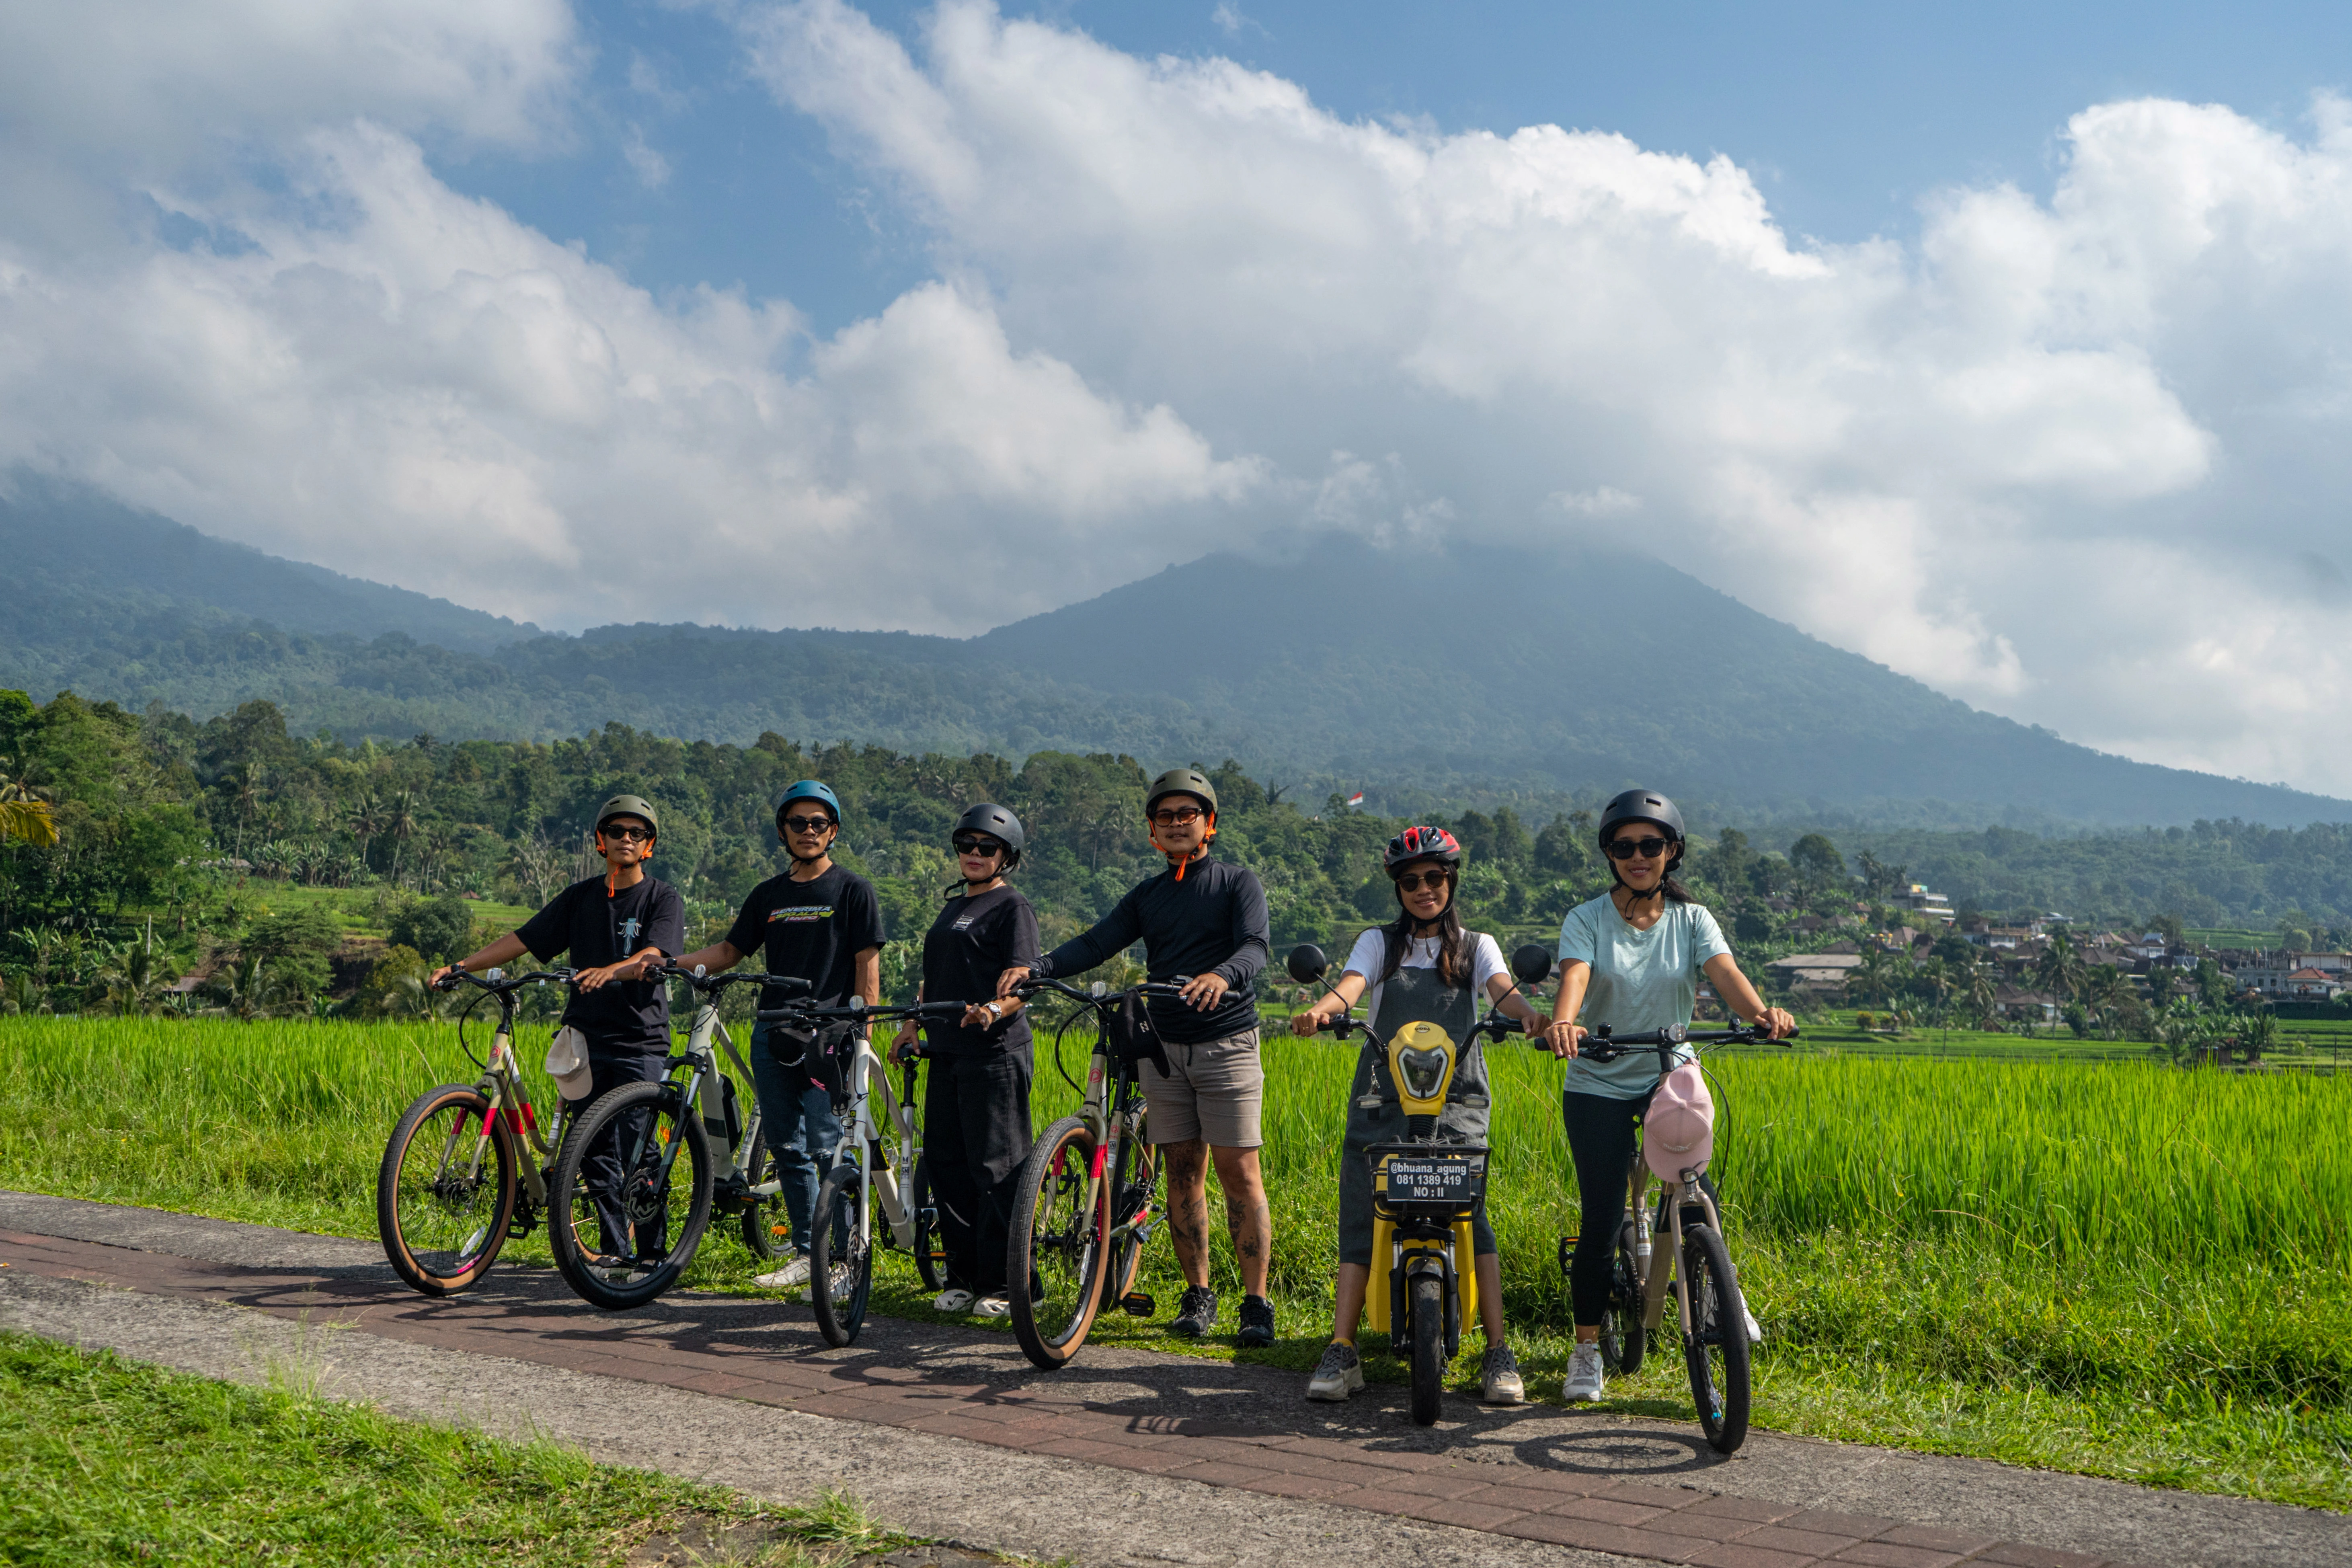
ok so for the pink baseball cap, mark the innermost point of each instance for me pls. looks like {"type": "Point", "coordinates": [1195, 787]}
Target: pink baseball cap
{"type": "Point", "coordinates": [1678, 1132]}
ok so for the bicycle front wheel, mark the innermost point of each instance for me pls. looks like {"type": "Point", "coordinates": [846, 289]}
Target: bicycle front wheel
{"type": "Point", "coordinates": [445, 1197]}
{"type": "Point", "coordinates": [1055, 1249]}
{"type": "Point", "coordinates": [1427, 1296]}
{"type": "Point", "coordinates": [1715, 1339]}
{"type": "Point", "coordinates": [1623, 1337]}
{"type": "Point", "coordinates": [841, 1256]}
{"type": "Point", "coordinates": [625, 1213]}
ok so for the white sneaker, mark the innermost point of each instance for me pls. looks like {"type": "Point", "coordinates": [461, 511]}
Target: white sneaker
{"type": "Point", "coordinates": [1340, 1373]}
{"type": "Point", "coordinates": [996, 1304]}
{"type": "Point", "coordinates": [784, 1279]}
{"type": "Point", "coordinates": [952, 1300]}
{"type": "Point", "coordinates": [1755, 1328]}
{"type": "Point", "coordinates": [1583, 1383]}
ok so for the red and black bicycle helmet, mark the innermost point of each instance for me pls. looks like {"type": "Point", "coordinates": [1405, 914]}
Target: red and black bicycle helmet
{"type": "Point", "coordinates": [1422, 844]}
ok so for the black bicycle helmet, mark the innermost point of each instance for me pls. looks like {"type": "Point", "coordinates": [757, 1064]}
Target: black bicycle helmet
{"type": "Point", "coordinates": [1422, 844]}
{"type": "Point", "coordinates": [1642, 806]}
{"type": "Point", "coordinates": [996, 822]}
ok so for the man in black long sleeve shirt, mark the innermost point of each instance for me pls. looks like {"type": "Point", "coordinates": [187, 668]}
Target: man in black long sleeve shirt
{"type": "Point", "coordinates": [1206, 921]}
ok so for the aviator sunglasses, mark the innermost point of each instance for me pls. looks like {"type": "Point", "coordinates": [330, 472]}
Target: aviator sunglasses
{"type": "Point", "coordinates": [1413, 882]}
{"type": "Point", "coordinates": [1648, 849]}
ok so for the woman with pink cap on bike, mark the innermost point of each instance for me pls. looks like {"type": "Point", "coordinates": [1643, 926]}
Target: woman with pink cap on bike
{"type": "Point", "coordinates": [1632, 959]}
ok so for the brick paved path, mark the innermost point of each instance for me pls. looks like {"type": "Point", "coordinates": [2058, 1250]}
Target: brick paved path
{"type": "Point", "coordinates": [1643, 1490]}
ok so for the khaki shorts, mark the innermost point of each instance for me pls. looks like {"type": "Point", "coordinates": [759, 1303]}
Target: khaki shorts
{"type": "Point", "coordinates": [1214, 1094]}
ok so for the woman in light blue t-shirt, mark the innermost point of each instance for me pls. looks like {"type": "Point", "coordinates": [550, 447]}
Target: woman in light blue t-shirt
{"type": "Point", "coordinates": [1631, 959]}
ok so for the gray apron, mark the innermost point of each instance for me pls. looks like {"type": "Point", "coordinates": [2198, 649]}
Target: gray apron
{"type": "Point", "coordinates": [1375, 1116]}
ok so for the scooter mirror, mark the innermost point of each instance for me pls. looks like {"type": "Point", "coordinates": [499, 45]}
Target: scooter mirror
{"type": "Point", "coordinates": [1531, 965]}
{"type": "Point", "coordinates": [1306, 963]}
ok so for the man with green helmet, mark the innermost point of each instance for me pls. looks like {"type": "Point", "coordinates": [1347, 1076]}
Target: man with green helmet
{"type": "Point", "coordinates": [611, 926]}
{"type": "Point", "coordinates": [820, 922]}
{"type": "Point", "coordinates": [1206, 921]}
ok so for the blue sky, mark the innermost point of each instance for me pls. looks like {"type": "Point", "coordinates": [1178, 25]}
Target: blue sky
{"type": "Point", "coordinates": [1847, 115]}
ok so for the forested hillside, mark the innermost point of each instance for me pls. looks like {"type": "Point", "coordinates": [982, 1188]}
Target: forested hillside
{"type": "Point", "coordinates": [1461, 676]}
{"type": "Point", "coordinates": [200, 828]}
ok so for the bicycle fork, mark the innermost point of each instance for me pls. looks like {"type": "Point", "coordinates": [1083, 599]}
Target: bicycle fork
{"type": "Point", "coordinates": [1657, 1264]}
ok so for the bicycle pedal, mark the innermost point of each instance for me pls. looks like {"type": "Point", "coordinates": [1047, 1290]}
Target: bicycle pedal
{"type": "Point", "coordinates": [1137, 1304]}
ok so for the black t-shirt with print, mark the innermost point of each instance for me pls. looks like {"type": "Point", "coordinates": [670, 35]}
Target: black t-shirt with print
{"type": "Point", "coordinates": [812, 931]}
{"type": "Point", "coordinates": [972, 942]}
{"type": "Point", "coordinates": [625, 1017]}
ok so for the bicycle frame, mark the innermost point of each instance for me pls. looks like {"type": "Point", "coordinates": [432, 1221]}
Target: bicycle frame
{"type": "Point", "coordinates": [501, 1084]}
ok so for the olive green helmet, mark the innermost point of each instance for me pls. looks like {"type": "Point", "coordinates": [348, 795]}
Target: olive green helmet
{"type": "Point", "coordinates": [1180, 781]}
{"type": "Point", "coordinates": [628, 806]}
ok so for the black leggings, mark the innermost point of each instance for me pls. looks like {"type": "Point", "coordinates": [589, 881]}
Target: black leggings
{"type": "Point", "coordinates": [1601, 1133]}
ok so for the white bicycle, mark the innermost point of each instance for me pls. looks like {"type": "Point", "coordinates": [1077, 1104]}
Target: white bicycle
{"type": "Point", "coordinates": [864, 1169]}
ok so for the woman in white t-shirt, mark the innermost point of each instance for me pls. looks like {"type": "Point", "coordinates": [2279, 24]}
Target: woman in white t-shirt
{"type": "Point", "coordinates": [1631, 959]}
{"type": "Point", "coordinates": [1422, 966]}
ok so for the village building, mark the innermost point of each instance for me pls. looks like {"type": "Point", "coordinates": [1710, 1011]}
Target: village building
{"type": "Point", "coordinates": [1919, 901]}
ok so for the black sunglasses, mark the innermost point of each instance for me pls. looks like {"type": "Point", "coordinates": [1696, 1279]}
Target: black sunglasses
{"type": "Point", "coordinates": [620, 834]}
{"type": "Point", "coordinates": [807, 824]}
{"type": "Point", "coordinates": [1413, 882]}
{"type": "Point", "coordinates": [1176, 816]}
{"type": "Point", "coordinates": [973, 844]}
{"type": "Point", "coordinates": [1647, 848]}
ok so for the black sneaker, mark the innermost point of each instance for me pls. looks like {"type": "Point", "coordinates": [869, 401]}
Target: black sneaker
{"type": "Point", "coordinates": [1258, 1323]}
{"type": "Point", "coordinates": [1197, 1313]}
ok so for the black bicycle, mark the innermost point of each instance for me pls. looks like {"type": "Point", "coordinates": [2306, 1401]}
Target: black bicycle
{"type": "Point", "coordinates": [1083, 1209]}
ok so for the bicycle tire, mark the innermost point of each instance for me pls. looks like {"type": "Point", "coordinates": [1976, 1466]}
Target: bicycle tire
{"type": "Point", "coordinates": [1426, 1297]}
{"type": "Point", "coordinates": [1715, 1340]}
{"type": "Point", "coordinates": [1136, 1178]}
{"type": "Point", "coordinates": [1624, 1340]}
{"type": "Point", "coordinates": [468, 1217]}
{"type": "Point", "coordinates": [646, 1192]}
{"type": "Point", "coordinates": [767, 1224]}
{"type": "Point", "coordinates": [1054, 1249]}
{"type": "Point", "coordinates": [931, 1253]}
{"type": "Point", "coordinates": [841, 1262]}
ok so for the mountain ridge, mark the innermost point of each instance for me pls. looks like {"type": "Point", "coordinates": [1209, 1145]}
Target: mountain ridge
{"type": "Point", "coordinates": [1475, 675]}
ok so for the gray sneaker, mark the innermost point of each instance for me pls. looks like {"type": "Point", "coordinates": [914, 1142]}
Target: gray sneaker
{"type": "Point", "coordinates": [1339, 1375]}
{"type": "Point", "coordinates": [1584, 1381]}
{"type": "Point", "coordinates": [1500, 1378]}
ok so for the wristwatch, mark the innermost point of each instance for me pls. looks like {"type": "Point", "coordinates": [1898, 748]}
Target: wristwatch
{"type": "Point", "coordinates": [995, 1013]}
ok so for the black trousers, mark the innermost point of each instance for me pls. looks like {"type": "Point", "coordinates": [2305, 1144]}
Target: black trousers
{"type": "Point", "coordinates": [601, 1166]}
{"type": "Point", "coordinates": [975, 1138]}
{"type": "Point", "coordinates": [1601, 1133]}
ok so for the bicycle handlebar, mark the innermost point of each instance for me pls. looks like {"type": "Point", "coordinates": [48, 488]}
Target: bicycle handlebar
{"type": "Point", "coordinates": [498, 982]}
{"type": "Point", "coordinates": [1602, 1046]}
{"type": "Point", "coordinates": [702, 980]}
{"type": "Point", "coordinates": [1172, 987]}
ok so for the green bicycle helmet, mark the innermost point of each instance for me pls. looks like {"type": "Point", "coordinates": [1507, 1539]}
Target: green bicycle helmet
{"type": "Point", "coordinates": [628, 806]}
{"type": "Point", "coordinates": [1180, 781]}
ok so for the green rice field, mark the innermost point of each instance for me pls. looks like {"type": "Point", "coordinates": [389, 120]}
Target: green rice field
{"type": "Point", "coordinates": [2115, 1268]}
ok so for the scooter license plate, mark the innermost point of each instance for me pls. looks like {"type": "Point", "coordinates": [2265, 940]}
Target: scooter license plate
{"type": "Point", "coordinates": [1440, 1179]}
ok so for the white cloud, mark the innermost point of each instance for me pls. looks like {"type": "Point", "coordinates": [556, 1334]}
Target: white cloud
{"type": "Point", "coordinates": [2078, 459]}
{"type": "Point", "coordinates": [650, 167]}
{"type": "Point", "coordinates": [1951, 456]}
{"type": "Point", "coordinates": [426, 392]}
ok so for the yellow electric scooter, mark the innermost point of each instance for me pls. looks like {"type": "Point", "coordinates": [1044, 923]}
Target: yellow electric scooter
{"type": "Point", "coordinates": [1424, 1188]}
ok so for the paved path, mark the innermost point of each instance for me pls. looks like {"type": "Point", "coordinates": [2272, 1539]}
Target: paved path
{"type": "Point", "coordinates": [1125, 1457]}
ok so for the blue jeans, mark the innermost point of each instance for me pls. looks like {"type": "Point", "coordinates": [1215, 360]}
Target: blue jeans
{"type": "Point", "coordinates": [796, 1119]}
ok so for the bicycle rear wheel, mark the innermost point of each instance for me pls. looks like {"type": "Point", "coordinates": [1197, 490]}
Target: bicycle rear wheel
{"type": "Point", "coordinates": [1054, 1251]}
{"type": "Point", "coordinates": [767, 1226]}
{"type": "Point", "coordinates": [1135, 1180]}
{"type": "Point", "coordinates": [841, 1256]}
{"type": "Point", "coordinates": [1623, 1337]}
{"type": "Point", "coordinates": [444, 1202]}
{"type": "Point", "coordinates": [1715, 1339]}
{"type": "Point", "coordinates": [930, 1252]}
{"type": "Point", "coordinates": [623, 1217]}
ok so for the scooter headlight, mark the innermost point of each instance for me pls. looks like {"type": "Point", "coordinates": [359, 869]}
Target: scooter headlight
{"type": "Point", "coordinates": [1423, 1071]}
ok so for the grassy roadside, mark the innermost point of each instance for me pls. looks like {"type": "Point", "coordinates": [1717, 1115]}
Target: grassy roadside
{"type": "Point", "coordinates": [2112, 1269]}
{"type": "Point", "coordinates": [114, 1461]}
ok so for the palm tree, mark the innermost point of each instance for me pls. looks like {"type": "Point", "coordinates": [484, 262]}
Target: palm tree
{"type": "Point", "coordinates": [28, 820]}
{"type": "Point", "coordinates": [246, 990]}
{"type": "Point", "coordinates": [400, 821]}
{"type": "Point", "coordinates": [1936, 975]}
{"type": "Point", "coordinates": [2104, 991]}
{"type": "Point", "coordinates": [1982, 990]}
{"type": "Point", "coordinates": [1875, 979]}
{"type": "Point", "coordinates": [252, 779]}
{"type": "Point", "coordinates": [364, 821]}
{"type": "Point", "coordinates": [2059, 970]}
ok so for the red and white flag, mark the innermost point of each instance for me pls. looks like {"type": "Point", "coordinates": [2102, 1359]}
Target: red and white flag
{"type": "Point", "coordinates": [1357, 798]}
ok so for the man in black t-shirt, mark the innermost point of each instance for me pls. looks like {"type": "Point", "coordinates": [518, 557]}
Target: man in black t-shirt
{"type": "Point", "coordinates": [822, 923]}
{"type": "Point", "coordinates": [619, 921]}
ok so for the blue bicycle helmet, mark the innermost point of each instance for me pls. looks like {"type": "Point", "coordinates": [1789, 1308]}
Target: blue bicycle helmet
{"type": "Point", "coordinates": [808, 789]}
